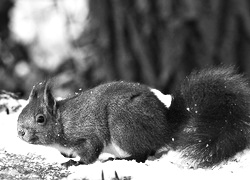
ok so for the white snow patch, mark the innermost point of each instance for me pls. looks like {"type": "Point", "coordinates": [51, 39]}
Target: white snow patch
{"type": "Point", "coordinates": [165, 99]}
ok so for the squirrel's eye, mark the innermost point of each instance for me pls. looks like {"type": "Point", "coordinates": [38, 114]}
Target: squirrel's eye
{"type": "Point", "coordinates": [40, 119]}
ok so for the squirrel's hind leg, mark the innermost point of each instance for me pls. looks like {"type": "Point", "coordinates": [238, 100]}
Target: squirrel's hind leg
{"type": "Point", "coordinates": [130, 158]}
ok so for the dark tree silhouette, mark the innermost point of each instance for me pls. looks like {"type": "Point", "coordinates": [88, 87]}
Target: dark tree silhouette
{"type": "Point", "coordinates": [10, 51]}
{"type": "Point", "coordinates": [158, 42]}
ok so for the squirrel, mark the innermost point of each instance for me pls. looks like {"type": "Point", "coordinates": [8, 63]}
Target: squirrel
{"type": "Point", "coordinates": [207, 118]}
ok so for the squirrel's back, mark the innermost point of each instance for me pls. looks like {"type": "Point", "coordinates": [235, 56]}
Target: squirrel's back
{"type": "Point", "coordinates": [124, 115]}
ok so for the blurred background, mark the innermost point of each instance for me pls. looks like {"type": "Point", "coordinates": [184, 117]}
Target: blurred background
{"type": "Point", "coordinates": [84, 43]}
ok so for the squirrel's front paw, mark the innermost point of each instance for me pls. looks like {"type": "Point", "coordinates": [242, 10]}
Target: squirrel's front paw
{"type": "Point", "coordinates": [67, 155]}
{"type": "Point", "coordinates": [71, 163]}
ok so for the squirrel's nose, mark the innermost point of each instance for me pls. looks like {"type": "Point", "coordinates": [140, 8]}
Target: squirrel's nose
{"type": "Point", "coordinates": [21, 133]}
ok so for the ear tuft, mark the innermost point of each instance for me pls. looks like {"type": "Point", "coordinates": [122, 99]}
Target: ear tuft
{"type": "Point", "coordinates": [42, 92]}
{"type": "Point", "coordinates": [36, 91]}
{"type": "Point", "coordinates": [48, 97]}
{"type": "Point", "coordinates": [33, 93]}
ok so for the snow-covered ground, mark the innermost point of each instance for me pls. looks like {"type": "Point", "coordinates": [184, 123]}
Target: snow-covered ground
{"type": "Point", "coordinates": [169, 166]}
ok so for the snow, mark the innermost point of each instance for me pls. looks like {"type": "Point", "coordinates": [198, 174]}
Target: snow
{"type": "Point", "coordinates": [168, 166]}
{"type": "Point", "coordinates": [165, 99]}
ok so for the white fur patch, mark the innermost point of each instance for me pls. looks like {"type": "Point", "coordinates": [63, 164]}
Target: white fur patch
{"type": "Point", "coordinates": [112, 149]}
{"type": "Point", "coordinates": [64, 150]}
{"type": "Point", "coordinates": [165, 99]}
{"type": "Point", "coordinates": [115, 150]}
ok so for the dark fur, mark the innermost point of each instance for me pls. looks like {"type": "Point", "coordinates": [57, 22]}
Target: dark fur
{"type": "Point", "coordinates": [212, 107]}
{"type": "Point", "coordinates": [128, 114]}
{"type": "Point", "coordinates": [208, 119]}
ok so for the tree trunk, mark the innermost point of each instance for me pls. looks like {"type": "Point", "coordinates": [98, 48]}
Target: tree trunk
{"type": "Point", "coordinates": [159, 42]}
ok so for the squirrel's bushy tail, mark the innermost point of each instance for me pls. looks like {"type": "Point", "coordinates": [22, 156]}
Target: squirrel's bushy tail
{"type": "Point", "coordinates": [216, 109]}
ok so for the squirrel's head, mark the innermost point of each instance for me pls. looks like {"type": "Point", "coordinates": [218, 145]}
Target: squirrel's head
{"type": "Point", "coordinates": [38, 121]}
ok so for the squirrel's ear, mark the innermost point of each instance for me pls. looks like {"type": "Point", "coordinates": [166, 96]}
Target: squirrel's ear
{"type": "Point", "coordinates": [33, 93]}
{"type": "Point", "coordinates": [48, 98]}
